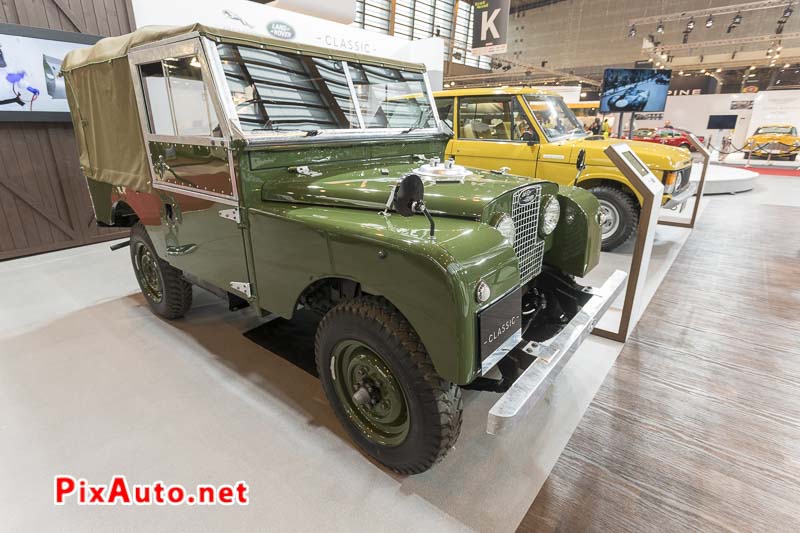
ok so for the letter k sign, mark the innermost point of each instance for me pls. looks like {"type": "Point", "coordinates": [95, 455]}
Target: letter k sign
{"type": "Point", "coordinates": [487, 24]}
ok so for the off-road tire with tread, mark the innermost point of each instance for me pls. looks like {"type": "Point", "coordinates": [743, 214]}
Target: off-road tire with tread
{"type": "Point", "coordinates": [434, 404]}
{"type": "Point", "coordinates": [176, 291]}
{"type": "Point", "coordinates": [628, 209]}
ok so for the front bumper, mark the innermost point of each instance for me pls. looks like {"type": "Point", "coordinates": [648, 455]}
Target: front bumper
{"type": "Point", "coordinates": [681, 197]}
{"type": "Point", "coordinates": [551, 357]}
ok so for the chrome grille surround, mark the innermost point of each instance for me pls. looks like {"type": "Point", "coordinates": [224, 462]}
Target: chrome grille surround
{"type": "Point", "coordinates": [685, 175]}
{"type": "Point", "coordinates": [529, 248]}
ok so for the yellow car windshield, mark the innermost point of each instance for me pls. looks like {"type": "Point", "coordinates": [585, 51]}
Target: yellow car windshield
{"type": "Point", "coordinates": [774, 130]}
{"type": "Point", "coordinates": [554, 117]}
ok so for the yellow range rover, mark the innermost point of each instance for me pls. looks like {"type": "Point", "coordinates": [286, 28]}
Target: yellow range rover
{"type": "Point", "coordinates": [533, 133]}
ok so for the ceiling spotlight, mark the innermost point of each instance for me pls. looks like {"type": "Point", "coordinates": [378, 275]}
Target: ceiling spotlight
{"type": "Point", "coordinates": [632, 31]}
{"type": "Point", "coordinates": [702, 71]}
{"type": "Point", "coordinates": [660, 27]}
{"type": "Point", "coordinates": [680, 73]}
{"type": "Point", "coordinates": [752, 67]}
{"type": "Point", "coordinates": [787, 12]}
{"type": "Point", "coordinates": [663, 55]}
{"type": "Point", "coordinates": [787, 65]}
{"type": "Point", "coordinates": [709, 21]}
{"type": "Point", "coordinates": [452, 84]}
{"type": "Point", "coordinates": [737, 19]}
{"type": "Point", "coordinates": [719, 70]}
{"type": "Point", "coordinates": [690, 24]}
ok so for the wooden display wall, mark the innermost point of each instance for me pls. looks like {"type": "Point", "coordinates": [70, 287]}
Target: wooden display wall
{"type": "Point", "coordinates": [44, 203]}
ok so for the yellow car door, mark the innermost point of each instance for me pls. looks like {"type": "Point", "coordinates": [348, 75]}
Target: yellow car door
{"type": "Point", "coordinates": [493, 132]}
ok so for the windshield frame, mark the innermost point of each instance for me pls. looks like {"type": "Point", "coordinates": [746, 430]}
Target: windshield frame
{"type": "Point", "coordinates": [232, 117]}
{"type": "Point", "coordinates": [559, 101]}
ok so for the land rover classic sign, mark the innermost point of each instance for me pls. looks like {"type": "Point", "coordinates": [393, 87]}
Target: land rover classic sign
{"type": "Point", "coordinates": [490, 27]}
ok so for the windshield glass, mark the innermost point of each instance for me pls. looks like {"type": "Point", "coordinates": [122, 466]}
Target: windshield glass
{"type": "Point", "coordinates": [391, 98]}
{"type": "Point", "coordinates": [644, 133]}
{"type": "Point", "coordinates": [554, 117]}
{"type": "Point", "coordinates": [780, 130]}
{"type": "Point", "coordinates": [281, 91]}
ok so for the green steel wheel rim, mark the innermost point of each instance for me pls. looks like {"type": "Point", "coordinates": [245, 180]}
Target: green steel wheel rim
{"type": "Point", "coordinates": [383, 418]}
{"type": "Point", "coordinates": [147, 272]}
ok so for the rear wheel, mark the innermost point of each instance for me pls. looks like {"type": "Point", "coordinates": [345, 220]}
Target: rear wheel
{"type": "Point", "coordinates": [163, 286]}
{"type": "Point", "coordinates": [383, 388]}
{"type": "Point", "coordinates": [620, 215]}
{"type": "Point", "coordinates": [685, 146]}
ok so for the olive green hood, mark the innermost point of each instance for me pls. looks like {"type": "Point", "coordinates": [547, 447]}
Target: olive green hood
{"type": "Point", "coordinates": [369, 186]}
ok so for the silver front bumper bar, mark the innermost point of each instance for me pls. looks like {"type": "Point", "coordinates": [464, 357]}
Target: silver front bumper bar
{"type": "Point", "coordinates": [551, 357]}
{"type": "Point", "coordinates": [681, 198]}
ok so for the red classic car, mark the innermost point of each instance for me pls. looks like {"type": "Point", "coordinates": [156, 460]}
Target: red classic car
{"type": "Point", "coordinates": [671, 136]}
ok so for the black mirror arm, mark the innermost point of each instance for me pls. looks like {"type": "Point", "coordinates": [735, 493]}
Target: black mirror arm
{"type": "Point", "coordinates": [424, 210]}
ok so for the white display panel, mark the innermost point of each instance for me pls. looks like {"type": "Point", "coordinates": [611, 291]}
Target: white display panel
{"type": "Point", "coordinates": [30, 61]}
{"type": "Point", "coordinates": [251, 17]}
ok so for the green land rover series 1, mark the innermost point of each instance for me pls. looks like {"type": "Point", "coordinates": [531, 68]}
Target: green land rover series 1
{"type": "Point", "coordinates": [282, 176]}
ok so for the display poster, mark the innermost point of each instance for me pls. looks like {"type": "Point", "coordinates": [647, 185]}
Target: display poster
{"type": "Point", "coordinates": [30, 62]}
{"type": "Point", "coordinates": [490, 27]}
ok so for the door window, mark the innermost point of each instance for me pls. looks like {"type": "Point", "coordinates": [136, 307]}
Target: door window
{"type": "Point", "coordinates": [485, 118]}
{"type": "Point", "coordinates": [157, 99]}
{"type": "Point", "coordinates": [494, 118]}
{"type": "Point", "coordinates": [177, 98]}
{"type": "Point", "coordinates": [445, 108]}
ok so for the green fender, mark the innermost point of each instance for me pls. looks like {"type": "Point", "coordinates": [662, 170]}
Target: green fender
{"type": "Point", "coordinates": [430, 281]}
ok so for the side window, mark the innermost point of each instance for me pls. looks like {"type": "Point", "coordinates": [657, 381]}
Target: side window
{"type": "Point", "coordinates": [794, 132]}
{"type": "Point", "coordinates": [177, 99]}
{"type": "Point", "coordinates": [486, 118]}
{"type": "Point", "coordinates": [191, 105]}
{"type": "Point", "coordinates": [157, 99]}
{"type": "Point", "coordinates": [445, 108]}
{"type": "Point", "coordinates": [521, 124]}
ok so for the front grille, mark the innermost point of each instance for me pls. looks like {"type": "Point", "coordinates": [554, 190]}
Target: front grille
{"type": "Point", "coordinates": [683, 178]}
{"type": "Point", "coordinates": [527, 245]}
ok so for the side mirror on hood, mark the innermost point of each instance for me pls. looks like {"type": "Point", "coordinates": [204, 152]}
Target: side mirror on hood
{"type": "Point", "coordinates": [407, 199]}
{"type": "Point", "coordinates": [580, 164]}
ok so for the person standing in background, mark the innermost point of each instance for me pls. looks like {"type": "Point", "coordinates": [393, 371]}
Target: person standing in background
{"type": "Point", "coordinates": [596, 127]}
{"type": "Point", "coordinates": [605, 128]}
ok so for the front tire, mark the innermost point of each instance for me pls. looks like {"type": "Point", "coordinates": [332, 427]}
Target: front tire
{"type": "Point", "coordinates": [621, 216]}
{"type": "Point", "coordinates": [163, 286]}
{"type": "Point", "coordinates": [383, 387]}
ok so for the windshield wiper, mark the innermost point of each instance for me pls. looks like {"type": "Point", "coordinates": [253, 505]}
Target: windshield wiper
{"type": "Point", "coordinates": [418, 124]}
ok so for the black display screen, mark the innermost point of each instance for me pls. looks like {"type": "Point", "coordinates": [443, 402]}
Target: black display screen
{"type": "Point", "coordinates": [722, 122]}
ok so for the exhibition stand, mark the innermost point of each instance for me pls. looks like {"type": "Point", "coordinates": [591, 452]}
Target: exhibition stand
{"type": "Point", "coordinates": [651, 190]}
{"type": "Point", "coordinates": [706, 156]}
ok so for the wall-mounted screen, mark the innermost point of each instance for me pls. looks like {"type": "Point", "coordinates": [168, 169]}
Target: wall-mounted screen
{"type": "Point", "coordinates": [639, 89]}
{"type": "Point", "coordinates": [30, 61]}
{"type": "Point", "coordinates": [722, 122]}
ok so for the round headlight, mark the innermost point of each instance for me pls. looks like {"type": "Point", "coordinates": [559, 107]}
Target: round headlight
{"type": "Point", "coordinates": [505, 226]}
{"type": "Point", "coordinates": [550, 215]}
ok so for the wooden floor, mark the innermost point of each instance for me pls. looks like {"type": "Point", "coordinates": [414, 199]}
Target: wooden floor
{"type": "Point", "coordinates": [697, 427]}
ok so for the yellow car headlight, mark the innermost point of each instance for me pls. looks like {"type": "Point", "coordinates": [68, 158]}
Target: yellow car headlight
{"type": "Point", "coordinates": [670, 179]}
